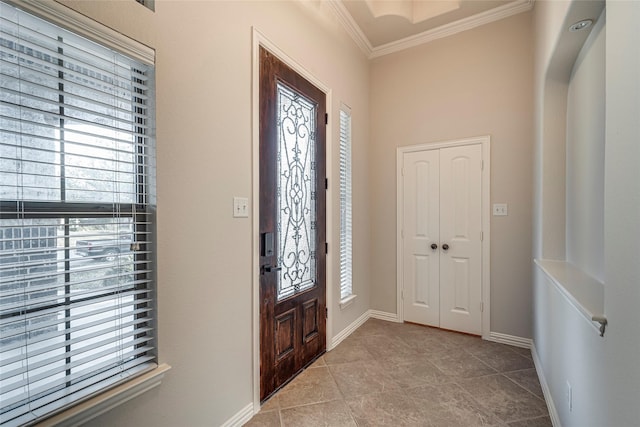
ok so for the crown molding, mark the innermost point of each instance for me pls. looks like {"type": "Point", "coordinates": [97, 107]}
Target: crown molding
{"type": "Point", "coordinates": [459, 26]}
{"type": "Point", "coordinates": [351, 27]}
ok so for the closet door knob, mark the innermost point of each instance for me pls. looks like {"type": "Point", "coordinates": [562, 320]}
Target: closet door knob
{"type": "Point", "coordinates": [434, 246]}
{"type": "Point", "coordinates": [445, 247]}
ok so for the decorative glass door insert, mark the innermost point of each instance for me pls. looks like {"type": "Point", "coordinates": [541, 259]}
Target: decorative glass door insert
{"type": "Point", "coordinates": [296, 192]}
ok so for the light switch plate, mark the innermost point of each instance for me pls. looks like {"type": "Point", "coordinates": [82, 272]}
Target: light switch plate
{"type": "Point", "coordinates": [240, 207]}
{"type": "Point", "coordinates": [500, 209]}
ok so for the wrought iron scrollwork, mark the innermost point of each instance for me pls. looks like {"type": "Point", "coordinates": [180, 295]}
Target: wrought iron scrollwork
{"type": "Point", "coordinates": [296, 192]}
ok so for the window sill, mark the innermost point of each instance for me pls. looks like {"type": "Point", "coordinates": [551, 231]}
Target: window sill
{"type": "Point", "coordinates": [85, 411]}
{"type": "Point", "coordinates": [582, 291]}
{"type": "Point", "coordinates": [346, 302]}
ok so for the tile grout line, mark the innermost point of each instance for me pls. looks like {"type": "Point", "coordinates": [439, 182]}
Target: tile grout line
{"type": "Point", "coordinates": [480, 404]}
{"type": "Point", "coordinates": [344, 400]}
{"type": "Point", "coordinates": [524, 388]}
{"type": "Point", "coordinates": [528, 419]}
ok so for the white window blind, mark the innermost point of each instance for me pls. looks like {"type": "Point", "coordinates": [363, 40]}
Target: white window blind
{"type": "Point", "coordinates": [77, 204]}
{"type": "Point", "coordinates": [346, 282]}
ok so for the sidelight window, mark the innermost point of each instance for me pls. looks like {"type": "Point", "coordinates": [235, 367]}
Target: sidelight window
{"type": "Point", "coordinates": [77, 203]}
{"type": "Point", "coordinates": [346, 276]}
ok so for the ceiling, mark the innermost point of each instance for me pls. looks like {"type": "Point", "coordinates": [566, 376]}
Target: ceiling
{"type": "Point", "coordinates": [381, 27]}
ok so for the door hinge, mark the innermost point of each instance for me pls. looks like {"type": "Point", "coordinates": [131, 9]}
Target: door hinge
{"type": "Point", "coordinates": [481, 165]}
{"type": "Point", "coordinates": [402, 171]}
{"type": "Point", "coordinates": [481, 236]}
{"type": "Point", "coordinates": [326, 312]}
{"type": "Point", "coordinates": [326, 118]}
{"type": "Point", "coordinates": [326, 247]}
{"type": "Point", "coordinates": [326, 183]}
{"type": "Point", "coordinates": [402, 234]}
{"type": "Point", "coordinates": [481, 307]}
{"type": "Point", "coordinates": [402, 294]}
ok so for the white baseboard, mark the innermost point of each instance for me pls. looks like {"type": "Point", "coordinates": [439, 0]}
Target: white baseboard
{"type": "Point", "coordinates": [509, 340]}
{"type": "Point", "coordinates": [553, 412]}
{"type": "Point", "coordinates": [337, 339]}
{"type": "Point", "coordinates": [383, 315]}
{"type": "Point", "coordinates": [369, 314]}
{"type": "Point", "coordinates": [241, 417]}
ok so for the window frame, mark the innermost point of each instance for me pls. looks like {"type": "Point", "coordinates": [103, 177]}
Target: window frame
{"type": "Point", "coordinates": [149, 4]}
{"type": "Point", "coordinates": [97, 402]}
{"type": "Point", "coordinates": [347, 295]}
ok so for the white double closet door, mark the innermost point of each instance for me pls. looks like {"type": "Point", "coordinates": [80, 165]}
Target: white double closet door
{"type": "Point", "coordinates": [442, 246]}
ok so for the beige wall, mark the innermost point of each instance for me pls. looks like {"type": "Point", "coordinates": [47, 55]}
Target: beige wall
{"type": "Point", "coordinates": [479, 82]}
{"type": "Point", "coordinates": [204, 148]}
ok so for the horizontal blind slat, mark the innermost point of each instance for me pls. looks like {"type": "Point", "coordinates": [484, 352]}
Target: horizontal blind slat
{"type": "Point", "coordinates": [42, 331]}
{"type": "Point", "coordinates": [26, 316]}
{"type": "Point", "coordinates": [127, 118]}
{"type": "Point", "coordinates": [49, 54]}
{"type": "Point", "coordinates": [48, 38]}
{"type": "Point", "coordinates": [52, 384]}
{"type": "Point", "coordinates": [70, 122]}
{"type": "Point", "coordinates": [56, 328]}
{"type": "Point", "coordinates": [73, 297]}
{"type": "Point", "coordinates": [111, 338]}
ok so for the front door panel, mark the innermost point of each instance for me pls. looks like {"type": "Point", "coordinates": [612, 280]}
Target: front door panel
{"type": "Point", "coordinates": [292, 223]}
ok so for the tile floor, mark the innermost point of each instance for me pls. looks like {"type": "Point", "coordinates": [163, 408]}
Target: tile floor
{"type": "Point", "coordinates": [392, 374]}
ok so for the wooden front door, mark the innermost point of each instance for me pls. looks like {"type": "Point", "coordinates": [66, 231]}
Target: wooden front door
{"type": "Point", "coordinates": [292, 223]}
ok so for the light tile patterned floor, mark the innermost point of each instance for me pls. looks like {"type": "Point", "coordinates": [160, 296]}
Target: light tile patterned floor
{"type": "Point", "coordinates": [392, 374]}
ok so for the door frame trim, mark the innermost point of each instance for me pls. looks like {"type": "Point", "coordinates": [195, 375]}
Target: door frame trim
{"type": "Point", "coordinates": [258, 40]}
{"type": "Point", "coordinates": [485, 142]}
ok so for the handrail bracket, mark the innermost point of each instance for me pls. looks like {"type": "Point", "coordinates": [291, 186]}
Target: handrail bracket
{"type": "Point", "coordinates": [603, 323]}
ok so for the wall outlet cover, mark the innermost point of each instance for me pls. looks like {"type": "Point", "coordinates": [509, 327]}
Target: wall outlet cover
{"type": "Point", "coordinates": [500, 209]}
